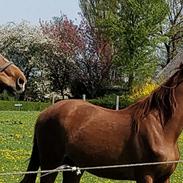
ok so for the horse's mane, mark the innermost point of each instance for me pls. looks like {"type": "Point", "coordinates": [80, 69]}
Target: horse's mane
{"type": "Point", "coordinates": [161, 100]}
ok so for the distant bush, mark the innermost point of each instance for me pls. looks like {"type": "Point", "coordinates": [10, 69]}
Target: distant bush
{"type": "Point", "coordinates": [26, 106]}
{"type": "Point", "coordinates": [143, 90]}
{"type": "Point", "coordinates": [109, 101]}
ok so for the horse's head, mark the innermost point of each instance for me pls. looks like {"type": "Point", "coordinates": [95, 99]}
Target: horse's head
{"type": "Point", "coordinates": [11, 77]}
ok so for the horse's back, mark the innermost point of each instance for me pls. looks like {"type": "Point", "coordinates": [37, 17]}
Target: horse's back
{"type": "Point", "coordinates": [68, 111]}
{"type": "Point", "coordinates": [86, 126]}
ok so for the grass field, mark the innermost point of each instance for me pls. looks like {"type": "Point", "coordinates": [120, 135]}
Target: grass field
{"type": "Point", "coordinates": [16, 131]}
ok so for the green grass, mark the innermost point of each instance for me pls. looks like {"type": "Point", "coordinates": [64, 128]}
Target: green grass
{"type": "Point", "coordinates": [16, 131]}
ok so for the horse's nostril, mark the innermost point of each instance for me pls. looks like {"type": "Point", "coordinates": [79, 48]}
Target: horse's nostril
{"type": "Point", "coordinates": [20, 85]}
{"type": "Point", "coordinates": [20, 81]}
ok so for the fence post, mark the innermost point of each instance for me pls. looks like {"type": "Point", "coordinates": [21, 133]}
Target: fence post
{"type": "Point", "coordinates": [53, 98]}
{"type": "Point", "coordinates": [117, 102]}
{"type": "Point", "coordinates": [84, 97]}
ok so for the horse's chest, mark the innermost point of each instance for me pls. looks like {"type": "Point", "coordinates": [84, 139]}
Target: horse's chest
{"type": "Point", "coordinates": [163, 153]}
{"type": "Point", "coordinates": [153, 144]}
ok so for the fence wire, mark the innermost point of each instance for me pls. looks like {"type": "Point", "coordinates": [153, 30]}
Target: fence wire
{"type": "Point", "coordinates": [78, 170]}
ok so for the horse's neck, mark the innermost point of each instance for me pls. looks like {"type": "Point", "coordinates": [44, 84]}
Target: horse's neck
{"type": "Point", "coordinates": [174, 126]}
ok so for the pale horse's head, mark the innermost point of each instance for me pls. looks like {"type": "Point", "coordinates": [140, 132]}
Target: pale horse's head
{"type": "Point", "coordinates": [11, 77]}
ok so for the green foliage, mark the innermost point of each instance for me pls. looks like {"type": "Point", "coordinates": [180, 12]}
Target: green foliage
{"type": "Point", "coordinates": [109, 101]}
{"type": "Point", "coordinates": [172, 32]}
{"type": "Point", "coordinates": [26, 106]}
{"type": "Point", "coordinates": [139, 92]}
{"type": "Point", "coordinates": [133, 28]}
{"type": "Point", "coordinates": [16, 135]}
{"type": "Point", "coordinates": [106, 101]}
{"type": "Point", "coordinates": [7, 96]}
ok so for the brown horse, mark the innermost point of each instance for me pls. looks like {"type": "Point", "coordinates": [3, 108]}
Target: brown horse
{"type": "Point", "coordinates": [11, 77]}
{"type": "Point", "coordinates": [77, 133]}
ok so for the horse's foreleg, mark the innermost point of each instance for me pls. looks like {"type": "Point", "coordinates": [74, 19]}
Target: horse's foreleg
{"type": "Point", "coordinates": [167, 180]}
{"type": "Point", "coordinates": [71, 177]}
{"type": "Point", "coordinates": [48, 178]}
{"type": "Point", "coordinates": [145, 179]}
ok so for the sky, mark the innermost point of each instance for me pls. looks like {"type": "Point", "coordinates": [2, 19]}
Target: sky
{"type": "Point", "coordinates": [34, 10]}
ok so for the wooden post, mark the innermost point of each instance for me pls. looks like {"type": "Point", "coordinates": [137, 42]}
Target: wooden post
{"type": "Point", "coordinates": [84, 97]}
{"type": "Point", "coordinates": [117, 102]}
{"type": "Point", "coordinates": [53, 98]}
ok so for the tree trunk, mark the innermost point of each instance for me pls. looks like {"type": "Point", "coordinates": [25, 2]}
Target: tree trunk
{"type": "Point", "coordinates": [130, 82]}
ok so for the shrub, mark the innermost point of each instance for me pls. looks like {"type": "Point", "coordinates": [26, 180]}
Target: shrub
{"type": "Point", "coordinates": [26, 106]}
{"type": "Point", "coordinates": [141, 91]}
{"type": "Point", "coordinates": [109, 101]}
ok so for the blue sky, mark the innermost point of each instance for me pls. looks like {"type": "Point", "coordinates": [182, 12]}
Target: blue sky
{"type": "Point", "coordinates": [33, 10]}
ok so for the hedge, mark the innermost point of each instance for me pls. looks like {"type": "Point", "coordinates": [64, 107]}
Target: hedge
{"type": "Point", "coordinates": [24, 106]}
{"type": "Point", "coordinates": [109, 101]}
